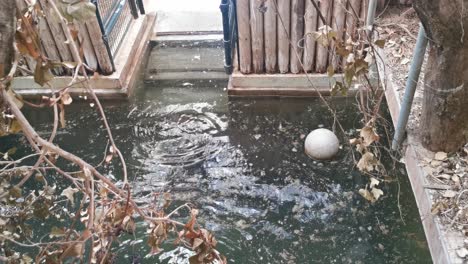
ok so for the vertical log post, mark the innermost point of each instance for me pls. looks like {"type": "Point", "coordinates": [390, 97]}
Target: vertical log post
{"type": "Point", "coordinates": [322, 51]}
{"type": "Point", "coordinates": [297, 35]}
{"type": "Point", "coordinates": [310, 25]}
{"type": "Point", "coordinates": [284, 8]}
{"type": "Point", "coordinates": [243, 25]}
{"type": "Point", "coordinates": [7, 38]}
{"type": "Point", "coordinates": [102, 56]}
{"type": "Point", "coordinates": [364, 8]}
{"type": "Point", "coordinates": [338, 25]}
{"type": "Point", "coordinates": [88, 50]}
{"type": "Point", "coordinates": [270, 37]}
{"type": "Point", "coordinates": [352, 18]}
{"type": "Point", "coordinates": [256, 23]}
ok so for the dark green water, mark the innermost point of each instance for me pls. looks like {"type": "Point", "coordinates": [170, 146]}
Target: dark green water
{"type": "Point", "coordinates": [242, 163]}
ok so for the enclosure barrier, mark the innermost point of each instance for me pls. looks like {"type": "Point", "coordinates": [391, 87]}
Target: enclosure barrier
{"type": "Point", "coordinates": [100, 37]}
{"type": "Point", "coordinates": [277, 36]}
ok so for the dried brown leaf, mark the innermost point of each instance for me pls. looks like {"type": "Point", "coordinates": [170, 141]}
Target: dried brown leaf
{"type": "Point", "coordinates": [369, 135]}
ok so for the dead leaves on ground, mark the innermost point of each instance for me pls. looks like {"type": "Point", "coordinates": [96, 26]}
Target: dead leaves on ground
{"type": "Point", "coordinates": [450, 205]}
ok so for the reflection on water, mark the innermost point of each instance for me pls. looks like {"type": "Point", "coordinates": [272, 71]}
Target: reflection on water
{"type": "Point", "coordinates": [241, 162]}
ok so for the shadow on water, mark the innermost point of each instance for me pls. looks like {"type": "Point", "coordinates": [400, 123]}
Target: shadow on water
{"type": "Point", "coordinates": [242, 163]}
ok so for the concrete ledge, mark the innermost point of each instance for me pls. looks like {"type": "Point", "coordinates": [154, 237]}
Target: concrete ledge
{"type": "Point", "coordinates": [117, 85]}
{"type": "Point", "coordinates": [181, 75]}
{"type": "Point", "coordinates": [207, 37]}
{"type": "Point", "coordinates": [442, 243]}
{"type": "Point", "coordinates": [296, 85]}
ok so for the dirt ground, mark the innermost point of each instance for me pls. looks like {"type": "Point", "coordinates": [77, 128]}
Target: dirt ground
{"type": "Point", "coordinates": [447, 173]}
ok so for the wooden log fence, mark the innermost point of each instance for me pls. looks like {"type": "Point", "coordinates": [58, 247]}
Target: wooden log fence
{"type": "Point", "coordinates": [53, 41]}
{"type": "Point", "coordinates": [277, 36]}
{"type": "Point", "coordinates": [270, 24]}
{"type": "Point", "coordinates": [284, 15]}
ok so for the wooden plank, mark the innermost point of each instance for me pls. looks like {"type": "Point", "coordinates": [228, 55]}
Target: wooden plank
{"type": "Point", "coordinates": [270, 37]}
{"type": "Point", "coordinates": [56, 30]}
{"type": "Point", "coordinates": [239, 80]}
{"type": "Point", "coordinates": [104, 61]}
{"type": "Point", "coordinates": [284, 15]}
{"type": "Point", "coordinates": [103, 94]}
{"type": "Point", "coordinates": [103, 82]}
{"type": "Point", "coordinates": [88, 50]}
{"type": "Point", "coordinates": [338, 25]}
{"type": "Point", "coordinates": [310, 25]}
{"type": "Point", "coordinates": [297, 35]}
{"type": "Point", "coordinates": [243, 26]}
{"type": "Point", "coordinates": [322, 51]}
{"type": "Point", "coordinates": [256, 25]}
{"type": "Point", "coordinates": [282, 92]}
{"type": "Point", "coordinates": [295, 85]}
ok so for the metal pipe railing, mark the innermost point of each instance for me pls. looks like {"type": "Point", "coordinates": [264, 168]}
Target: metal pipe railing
{"type": "Point", "coordinates": [371, 15]}
{"type": "Point", "coordinates": [112, 20]}
{"type": "Point", "coordinates": [410, 89]}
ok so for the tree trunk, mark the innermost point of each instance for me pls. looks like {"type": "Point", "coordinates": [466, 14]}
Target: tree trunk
{"type": "Point", "coordinates": [7, 37]}
{"type": "Point", "coordinates": [444, 121]}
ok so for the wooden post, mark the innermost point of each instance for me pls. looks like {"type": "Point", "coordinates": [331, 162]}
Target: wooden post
{"type": "Point", "coordinates": [310, 21]}
{"type": "Point", "coordinates": [243, 26]}
{"type": "Point", "coordinates": [352, 18]}
{"type": "Point", "coordinates": [284, 7]}
{"type": "Point", "coordinates": [95, 34]}
{"type": "Point", "coordinates": [363, 19]}
{"type": "Point", "coordinates": [364, 7]}
{"type": "Point", "coordinates": [270, 37]}
{"type": "Point", "coordinates": [256, 24]}
{"type": "Point", "coordinates": [297, 35]}
{"type": "Point", "coordinates": [88, 50]}
{"type": "Point", "coordinates": [322, 51]}
{"type": "Point", "coordinates": [338, 25]}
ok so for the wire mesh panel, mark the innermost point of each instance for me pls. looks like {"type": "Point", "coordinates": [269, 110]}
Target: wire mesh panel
{"type": "Point", "coordinates": [106, 7]}
{"type": "Point", "coordinates": [116, 18]}
{"type": "Point", "coordinates": [118, 25]}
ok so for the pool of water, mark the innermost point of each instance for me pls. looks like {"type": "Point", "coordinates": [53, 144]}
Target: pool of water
{"type": "Point", "coordinates": [241, 162]}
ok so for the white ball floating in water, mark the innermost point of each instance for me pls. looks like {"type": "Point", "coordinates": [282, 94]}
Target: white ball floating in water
{"type": "Point", "coordinates": [321, 144]}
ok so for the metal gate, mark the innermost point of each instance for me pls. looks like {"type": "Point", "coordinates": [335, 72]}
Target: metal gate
{"type": "Point", "coordinates": [228, 9]}
{"type": "Point", "coordinates": [115, 18]}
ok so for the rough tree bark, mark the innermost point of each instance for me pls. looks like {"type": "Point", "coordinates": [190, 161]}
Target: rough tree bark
{"type": "Point", "coordinates": [7, 36]}
{"type": "Point", "coordinates": [444, 122]}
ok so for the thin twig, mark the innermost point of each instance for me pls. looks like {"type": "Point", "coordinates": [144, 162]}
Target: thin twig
{"type": "Point", "coordinates": [75, 51]}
